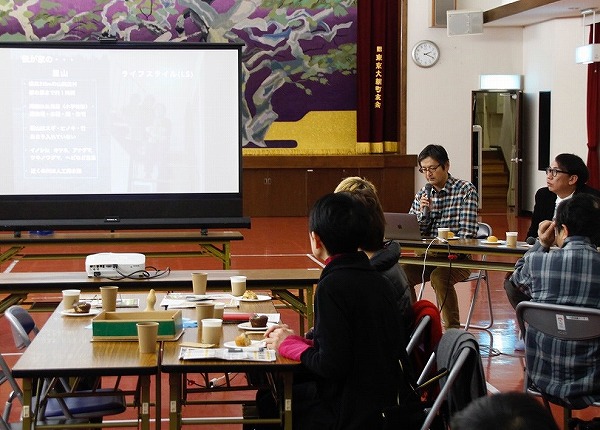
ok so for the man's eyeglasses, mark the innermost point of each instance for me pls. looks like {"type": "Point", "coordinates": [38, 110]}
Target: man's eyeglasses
{"type": "Point", "coordinates": [429, 169]}
{"type": "Point", "coordinates": [554, 171]}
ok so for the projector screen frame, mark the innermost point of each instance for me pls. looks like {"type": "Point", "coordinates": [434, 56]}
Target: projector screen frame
{"type": "Point", "coordinates": [155, 210]}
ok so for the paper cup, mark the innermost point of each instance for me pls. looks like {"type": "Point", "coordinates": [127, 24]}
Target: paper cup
{"type": "Point", "coordinates": [70, 297]}
{"type": "Point", "coordinates": [204, 310]}
{"type": "Point", "coordinates": [219, 310]}
{"type": "Point", "coordinates": [443, 232]}
{"type": "Point", "coordinates": [211, 331]}
{"type": "Point", "coordinates": [147, 336]}
{"type": "Point", "coordinates": [109, 298]}
{"type": "Point", "coordinates": [511, 239]}
{"type": "Point", "coordinates": [238, 285]}
{"type": "Point", "coordinates": [199, 282]}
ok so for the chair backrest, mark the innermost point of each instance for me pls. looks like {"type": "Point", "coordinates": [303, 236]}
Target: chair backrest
{"type": "Point", "coordinates": [560, 321]}
{"type": "Point", "coordinates": [458, 352]}
{"type": "Point", "coordinates": [484, 230]}
{"type": "Point", "coordinates": [21, 324]}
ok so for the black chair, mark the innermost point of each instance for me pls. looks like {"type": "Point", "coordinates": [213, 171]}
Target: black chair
{"type": "Point", "coordinates": [58, 400]}
{"type": "Point", "coordinates": [562, 322]}
{"type": "Point", "coordinates": [22, 326]}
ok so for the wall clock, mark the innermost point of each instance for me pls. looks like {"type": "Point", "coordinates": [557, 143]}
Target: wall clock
{"type": "Point", "coordinates": [425, 53]}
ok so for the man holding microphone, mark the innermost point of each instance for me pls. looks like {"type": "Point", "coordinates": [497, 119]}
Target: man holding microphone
{"type": "Point", "coordinates": [444, 201]}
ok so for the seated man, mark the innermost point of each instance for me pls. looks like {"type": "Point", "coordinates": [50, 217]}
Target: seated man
{"type": "Point", "coordinates": [569, 275]}
{"type": "Point", "coordinates": [565, 177]}
{"type": "Point", "coordinates": [444, 201]}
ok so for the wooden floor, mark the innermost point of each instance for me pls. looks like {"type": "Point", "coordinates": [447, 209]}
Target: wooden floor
{"type": "Point", "coordinates": [283, 243]}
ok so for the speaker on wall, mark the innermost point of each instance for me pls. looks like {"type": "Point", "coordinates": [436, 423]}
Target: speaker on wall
{"type": "Point", "coordinates": [438, 11]}
{"type": "Point", "coordinates": [461, 22]}
{"type": "Point", "coordinates": [544, 131]}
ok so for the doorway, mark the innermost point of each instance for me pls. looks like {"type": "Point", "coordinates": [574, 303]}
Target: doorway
{"type": "Point", "coordinates": [497, 125]}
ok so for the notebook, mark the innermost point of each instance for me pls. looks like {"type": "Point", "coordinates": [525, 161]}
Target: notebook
{"type": "Point", "coordinates": [401, 226]}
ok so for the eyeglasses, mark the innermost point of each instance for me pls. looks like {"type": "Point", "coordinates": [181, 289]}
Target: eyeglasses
{"type": "Point", "coordinates": [429, 169]}
{"type": "Point", "coordinates": [554, 171]}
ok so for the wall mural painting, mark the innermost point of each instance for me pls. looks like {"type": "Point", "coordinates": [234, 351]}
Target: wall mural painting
{"type": "Point", "coordinates": [299, 57]}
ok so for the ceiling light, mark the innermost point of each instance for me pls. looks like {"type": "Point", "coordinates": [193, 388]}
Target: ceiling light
{"type": "Point", "coordinates": [588, 53]}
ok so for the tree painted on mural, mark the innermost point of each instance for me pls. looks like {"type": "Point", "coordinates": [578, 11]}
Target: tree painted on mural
{"type": "Point", "coordinates": [289, 44]}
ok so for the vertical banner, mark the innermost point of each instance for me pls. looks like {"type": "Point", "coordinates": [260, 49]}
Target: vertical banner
{"type": "Point", "coordinates": [378, 75]}
{"type": "Point", "coordinates": [593, 115]}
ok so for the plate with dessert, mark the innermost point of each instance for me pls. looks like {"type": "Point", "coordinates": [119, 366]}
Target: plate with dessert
{"type": "Point", "coordinates": [243, 341]}
{"type": "Point", "coordinates": [249, 326]}
{"type": "Point", "coordinates": [80, 309]}
{"type": "Point", "coordinates": [251, 296]}
{"type": "Point", "coordinates": [493, 242]}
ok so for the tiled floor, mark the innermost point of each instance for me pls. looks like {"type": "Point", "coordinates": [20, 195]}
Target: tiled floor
{"type": "Point", "coordinates": [283, 242]}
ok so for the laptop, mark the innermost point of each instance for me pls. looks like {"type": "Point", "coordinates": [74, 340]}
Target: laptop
{"type": "Point", "coordinates": [401, 226]}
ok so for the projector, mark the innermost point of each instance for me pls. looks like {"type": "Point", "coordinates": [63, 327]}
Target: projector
{"type": "Point", "coordinates": [109, 264]}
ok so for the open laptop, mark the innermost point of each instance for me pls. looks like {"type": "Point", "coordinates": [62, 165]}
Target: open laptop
{"type": "Point", "coordinates": [401, 226]}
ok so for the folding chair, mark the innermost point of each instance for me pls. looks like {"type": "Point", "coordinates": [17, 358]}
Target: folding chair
{"type": "Point", "coordinates": [562, 322]}
{"type": "Point", "coordinates": [68, 405]}
{"type": "Point", "coordinates": [484, 230]}
{"type": "Point", "coordinates": [22, 326]}
{"type": "Point", "coordinates": [458, 352]}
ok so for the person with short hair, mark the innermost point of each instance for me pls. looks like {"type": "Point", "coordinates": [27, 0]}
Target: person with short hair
{"type": "Point", "coordinates": [444, 201]}
{"type": "Point", "coordinates": [358, 336]}
{"type": "Point", "coordinates": [568, 275]}
{"type": "Point", "coordinates": [566, 176]}
{"type": "Point", "coordinates": [504, 411]}
{"type": "Point", "coordinates": [383, 256]}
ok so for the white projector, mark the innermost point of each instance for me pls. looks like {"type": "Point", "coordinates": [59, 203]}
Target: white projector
{"type": "Point", "coordinates": [109, 264]}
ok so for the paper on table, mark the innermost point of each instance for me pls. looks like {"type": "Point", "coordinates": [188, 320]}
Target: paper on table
{"type": "Point", "coordinates": [262, 354]}
{"type": "Point", "coordinates": [180, 301]}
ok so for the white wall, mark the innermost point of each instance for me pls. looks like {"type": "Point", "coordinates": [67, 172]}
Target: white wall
{"type": "Point", "coordinates": [549, 65]}
{"type": "Point", "coordinates": [439, 98]}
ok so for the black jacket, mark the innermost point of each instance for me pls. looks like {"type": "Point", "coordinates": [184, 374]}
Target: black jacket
{"type": "Point", "coordinates": [358, 339]}
{"type": "Point", "coordinates": [385, 261]}
{"type": "Point", "coordinates": [545, 201]}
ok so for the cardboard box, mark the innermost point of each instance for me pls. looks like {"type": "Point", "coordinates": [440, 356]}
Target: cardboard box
{"type": "Point", "coordinates": [122, 325]}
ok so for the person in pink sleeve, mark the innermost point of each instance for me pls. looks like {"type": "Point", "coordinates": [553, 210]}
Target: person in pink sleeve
{"type": "Point", "coordinates": [352, 361]}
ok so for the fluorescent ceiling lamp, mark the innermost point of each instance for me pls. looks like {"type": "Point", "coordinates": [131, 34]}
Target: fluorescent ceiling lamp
{"type": "Point", "coordinates": [588, 54]}
{"type": "Point", "coordinates": [500, 82]}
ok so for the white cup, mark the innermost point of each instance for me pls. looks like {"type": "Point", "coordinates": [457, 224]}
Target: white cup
{"type": "Point", "coordinates": [238, 285]}
{"type": "Point", "coordinates": [147, 336]}
{"type": "Point", "coordinates": [511, 239]}
{"type": "Point", "coordinates": [70, 297]}
{"type": "Point", "coordinates": [443, 232]}
{"type": "Point", "coordinates": [211, 331]}
{"type": "Point", "coordinates": [199, 282]}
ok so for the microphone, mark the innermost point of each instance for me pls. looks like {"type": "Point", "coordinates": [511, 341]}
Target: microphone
{"type": "Point", "coordinates": [530, 240]}
{"type": "Point", "coordinates": [425, 210]}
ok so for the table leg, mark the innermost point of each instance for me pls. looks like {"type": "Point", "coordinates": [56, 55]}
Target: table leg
{"type": "Point", "coordinates": [287, 400]}
{"type": "Point", "coordinates": [157, 401]}
{"type": "Point", "coordinates": [145, 401]}
{"type": "Point", "coordinates": [222, 254]}
{"type": "Point", "coordinates": [227, 256]}
{"type": "Point", "coordinates": [175, 401]}
{"type": "Point", "coordinates": [27, 398]}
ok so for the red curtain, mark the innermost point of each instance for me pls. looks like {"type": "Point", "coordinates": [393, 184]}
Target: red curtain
{"type": "Point", "coordinates": [593, 114]}
{"type": "Point", "coordinates": [378, 76]}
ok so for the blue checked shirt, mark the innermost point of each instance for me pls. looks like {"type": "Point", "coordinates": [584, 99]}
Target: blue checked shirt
{"type": "Point", "coordinates": [454, 206]}
{"type": "Point", "coordinates": [566, 276]}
